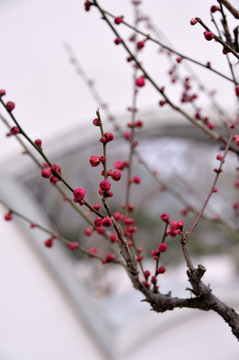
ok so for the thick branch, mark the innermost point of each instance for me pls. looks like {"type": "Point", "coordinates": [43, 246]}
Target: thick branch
{"type": "Point", "coordinates": [230, 8]}
{"type": "Point", "coordinates": [203, 300]}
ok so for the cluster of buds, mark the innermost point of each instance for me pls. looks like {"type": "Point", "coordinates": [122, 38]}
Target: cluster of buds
{"type": "Point", "coordinates": [53, 173]}
{"type": "Point", "coordinates": [96, 160]}
{"type": "Point", "coordinates": [96, 207]}
{"type": "Point", "coordinates": [137, 124]}
{"type": "Point", "coordinates": [161, 270]}
{"type": "Point", "coordinates": [205, 119]}
{"type": "Point", "coordinates": [139, 257]}
{"type": "Point", "coordinates": [128, 222]}
{"type": "Point", "coordinates": [175, 228]}
{"type": "Point", "coordinates": [114, 174]}
{"type": "Point", "coordinates": [173, 74]}
{"type": "Point", "coordinates": [107, 138]}
{"type": "Point", "coordinates": [105, 221]}
{"type": "Point", "coordinates": [162, 248]}
{"type": "Point", "coordinates": [186, 96]}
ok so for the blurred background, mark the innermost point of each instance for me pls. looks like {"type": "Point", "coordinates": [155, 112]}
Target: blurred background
{"type": "Point", "coordinates": [54, 304]}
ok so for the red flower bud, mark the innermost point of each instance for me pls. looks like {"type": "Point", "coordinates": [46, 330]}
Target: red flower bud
{"type": "Point", "coordinates": [49, 242]}
{"type": "Point", "coordinates": [46, 172]}
{"type": "Point", "coordinates": [105, 185]}
{"type": "Point", "coordinates": [118, 20]}
{"type": "Point", "coordinates": [193, 21]}
{"type": "Point", "coordinates": [140, 82]}
{"type": "Point", "coordinates": [106, 222]}
{"type": "Point", "coordinates": [73, 245]}
{"type": "Point", "coordinates": [165, 217]}
{"type": "Point", "coordinates": [163, 247]}
{"type": "Point", "coordinates": [94, 161]}
{"type": "Point", "coordinates": [79, 194]}
{"type": "Point", "coordinates": [161, 269]}
{"type": "Point", "coordinates": [208, 35]}
{"type": "Point", "coordinates": [116, 175]}
{"type": "Point", "coordinates": [14, 130]}
{"type": "Point", "coordinates": [118, 41]}
{"type": "Point", "coordinates": [8, 216]}
{"type": "Point", "coordinates": [114, 238]}
{"type": "Point", "coordinates": [98, 222]}
{"type": "Point", "coordinates": [87, 5]}
{"type": "Point", "coordinates": [96, 122]}
{"type": "Point", "coordinates": [38, 142]}
{"type": "Point", "coordinates": [10, 106]}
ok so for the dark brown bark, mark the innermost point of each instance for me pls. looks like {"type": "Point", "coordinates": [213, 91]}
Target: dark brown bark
{"type": "Point", "coordinates": [203, 299]}
{"type": "Point", "coordinates": [230, 8]}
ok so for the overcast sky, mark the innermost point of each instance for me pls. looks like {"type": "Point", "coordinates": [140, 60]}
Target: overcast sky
{"type": "Point", "coordinates": [35, 71]}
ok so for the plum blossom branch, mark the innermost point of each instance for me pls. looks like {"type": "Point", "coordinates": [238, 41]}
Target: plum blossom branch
{"type": "Point", "coordinates": [55, 235]}
{"type": "Point", "coordinates": [230, 8]}
{"type": "Point", "coordinates": [213, 187]}
{"type": "Point", "coordinates": [166, 186]}
{"type": "Point", "coordinates": [9, 107]}
{"type": "Point", "coordinates": [214, 135]}
{"type": "Point", "coordinates": [203, 299]}
{"type": "Point", "coordinates": [58, 187]}
{"type": "Point", "coordinates": [218, 39]}
{"type": "Point", "coordinates": [166, 47]}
